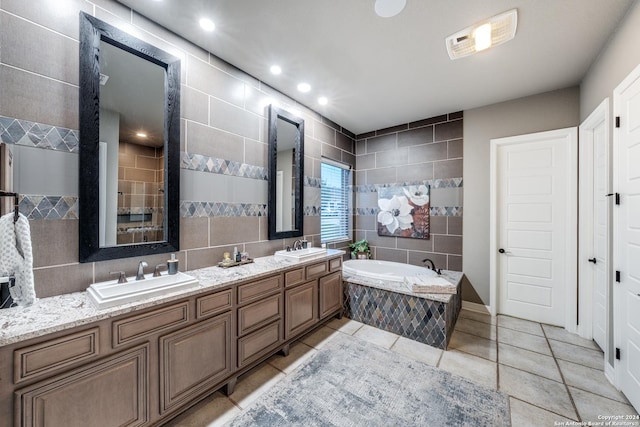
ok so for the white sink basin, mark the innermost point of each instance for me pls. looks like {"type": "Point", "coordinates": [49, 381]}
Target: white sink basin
{"type": "Point", "coordinates": [301, 254]}
{"type": "Point", "coordinates": [108, 294]}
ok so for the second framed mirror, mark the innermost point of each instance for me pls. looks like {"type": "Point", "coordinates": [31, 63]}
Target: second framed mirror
{"type": "Point", "coordinates": [286, 174]}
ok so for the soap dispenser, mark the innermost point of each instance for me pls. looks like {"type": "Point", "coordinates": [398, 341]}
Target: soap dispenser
{"type": "Point", "coordinates": [172, 264]}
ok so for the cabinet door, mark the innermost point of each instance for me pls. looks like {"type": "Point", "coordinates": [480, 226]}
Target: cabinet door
{"type": "Point", "coordinates": [301, 308]}
{"type": "Point", "coordinates": [112, 392]}
{"type": "Point", "coordinates": [193, 360]}
{"type": "Point", "coordinates": [330, 294]}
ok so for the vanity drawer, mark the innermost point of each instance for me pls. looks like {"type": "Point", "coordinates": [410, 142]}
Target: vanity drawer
{"type": "Point", "coordinates": [315, 270]}
{"type": "Point", "coordinates": [255, 290]}
{"type": "Point", "coordinates": [335, 264]}
{"type": "Point", "coordinates": [47, 357]}
{"type": "Point", "coordinates": [138, 327]}
{"type": "Point", "coordinates": [259, 313]}
{"type": "Point", "coordinates": [258, 343]}
{"type": "Point", "coordinates": [293, 277]}
{"type": "Point", "coordinates": [209, 305]}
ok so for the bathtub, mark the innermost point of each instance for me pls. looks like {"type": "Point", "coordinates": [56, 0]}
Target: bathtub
{"type": "Point", "coordinates": [384, 270]}
{"type": "Point", "coordinates": [378, 293]}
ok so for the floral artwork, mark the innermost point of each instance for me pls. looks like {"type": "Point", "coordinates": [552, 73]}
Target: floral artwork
{"type": "Point", "coordinates": [404, 211]}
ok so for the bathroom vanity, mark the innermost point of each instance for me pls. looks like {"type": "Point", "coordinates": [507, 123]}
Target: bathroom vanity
{"type": "Point", "coordinates": [63, 362]}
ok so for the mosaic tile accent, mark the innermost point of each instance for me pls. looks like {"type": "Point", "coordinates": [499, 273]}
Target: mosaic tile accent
{"type": "Point", "coordinates": [433, 211]}
{"type": "Point", "coordinates": [32, 134]}
{"type": "Point", "coordinates": [434, 183]}
{"type": "Point", "coordinates": [311, 181]}
{"type": "Point", "coordinates": [312, 211]}
{"type": "Point", "coordinates": [190, 209]}
{"type": "Point", "coordinates": [420, 319]}
{"type": "Point", "coordinates": [49, 207]}
{"type": "Point", "coordinates": [201, 163]}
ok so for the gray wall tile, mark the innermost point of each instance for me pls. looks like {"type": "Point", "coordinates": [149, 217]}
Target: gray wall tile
{"type": "Point", "coordinates": [22, 95]}
{"type": "Point", "coordinates": [449, 130]}
{"type": "Point", "coordinates": [454, 149]}
{"type": "Point", "coordinates": [397, 157]}
{"type": "Point", "coordinates": [418, 172]}
{"type": "Point", "coordinates": [428, 152]}
{"type": "Point", "coordinates": [324, 133]}
{"type": "Point", "coordinates": [57, 280]}
{"type": "Point", "coordinates": [447, 169]}
{"type": "Point", "coordinates": [366, 161]}
{"type": "Point", "coordinates": [448, 244]}
{"type": "Point", "coordinates": [212, 142]}
{"type": "Point", "coordinates": [194, 105]}
{"type": "Point", "coordinates": [454, 225]}
{"type": "Point", "coordinates": [331, 152]}
{"type": "Point", "coordinates": [234, 230]}
{"type": "Point", "coordinates": [394, 255]}
{"type": "Point", "coordinates": [44, 172]}
{"type": "Point", "coordinates": [234, 119]}
{"type": "Point", "coordinates": [49, 14]}
{"type": "Point", "coordinates": [209, 79]}
{"type": "Point", "coordinates": [415, 137]}
{"type": "Point", "coordinates": [381, 143]}
{"type": "Point", "coordinates": [54, 242]}
{"type": "Point", "coordinates": [381, 176]}
{"type": "Point", "coordinates": [194, 233]}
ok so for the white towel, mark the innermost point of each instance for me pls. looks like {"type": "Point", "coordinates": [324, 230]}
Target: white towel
{"type": "Point", "coordinates": [16, 257]}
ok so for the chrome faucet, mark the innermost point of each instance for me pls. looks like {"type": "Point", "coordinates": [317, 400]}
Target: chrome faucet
{"type": "Point", "coordinates": [297, 245]}
{"type": "Point", "coordinates": [432, 267]}
{"type": "Point", "coordinates": [141, 266]}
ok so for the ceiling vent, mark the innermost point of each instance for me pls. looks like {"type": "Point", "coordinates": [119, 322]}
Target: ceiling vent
{"type": "Point", "coordinates": [492, 32]}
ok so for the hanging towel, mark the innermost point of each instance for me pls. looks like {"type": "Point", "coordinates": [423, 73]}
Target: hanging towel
{"type": "Point", "coordinates": [16, 257]}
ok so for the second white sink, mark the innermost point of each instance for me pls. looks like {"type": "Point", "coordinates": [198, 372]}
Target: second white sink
{"type": "Point", "coordinates": [301, 254]}
{"type": "Point", "coordinates": [111, 293]}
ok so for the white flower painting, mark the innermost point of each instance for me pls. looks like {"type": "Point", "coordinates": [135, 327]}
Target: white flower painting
{"type": "Point", "coordinates": [404, 211]}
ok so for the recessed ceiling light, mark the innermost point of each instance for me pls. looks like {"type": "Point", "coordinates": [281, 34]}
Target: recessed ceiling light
{"type": "Point", "coordinates": [207, 24]}
{"type": "Point", "coordinates": [276, 69]}
{"type": "Point", "coordinates": [141, 134]}
{"type": "Point", "coordinates": [389, 8]}
{"type": "Point", "coordinates": [323, 100]}
{"type": "Point", "coordinates": [304, 87]}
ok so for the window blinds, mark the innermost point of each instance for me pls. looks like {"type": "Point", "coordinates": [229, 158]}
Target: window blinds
{"type": "Point", "coordinates": [334, 194]}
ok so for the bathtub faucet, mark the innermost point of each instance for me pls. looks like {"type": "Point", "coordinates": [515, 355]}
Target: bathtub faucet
{"type": "Point", "coordinates": [432, 267]}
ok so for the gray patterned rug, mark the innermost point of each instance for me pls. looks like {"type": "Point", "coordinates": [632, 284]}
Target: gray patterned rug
{"type": "Point", "coordinates": [351, 382]}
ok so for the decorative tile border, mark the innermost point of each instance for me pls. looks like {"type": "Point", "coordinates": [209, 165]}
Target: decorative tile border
{"type": "Point", "coordinates": [49, 207]}
{"type": "Point", "coordinates": [198, 162]}
{"type": "Point", "coordinates": [190, 209]}
{"type": "Point", "coordinates": [434, 183]}
{"type": "Point", "coordinates": [32, 134]}
{"type": "Point", "coordinates": [311, 181]}
{"type": "Point", "coordinates": [433, 211]}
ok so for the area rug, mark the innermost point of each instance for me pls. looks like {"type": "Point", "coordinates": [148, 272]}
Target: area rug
{"type": "Point", "coordinates": [351, 382]}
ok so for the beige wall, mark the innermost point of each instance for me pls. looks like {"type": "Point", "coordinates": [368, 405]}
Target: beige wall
{"type": "Point", "coordinates": [618, 58]}
{"type": "Point", "coordinates": [547, 111]}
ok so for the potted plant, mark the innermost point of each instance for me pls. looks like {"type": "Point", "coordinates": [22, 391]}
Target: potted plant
{"type": "Point", "coordinates": [360, 249]}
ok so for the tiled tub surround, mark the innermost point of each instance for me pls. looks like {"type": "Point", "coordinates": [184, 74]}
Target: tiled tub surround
{"type": "Point", "coordinates": [222, 117]}
{"type": "Point", "coordinates": [429, 152]}
{"type": "Point", "coordinates": [58, 313]}
{"type": "Point", "coordinates": [391, 306]}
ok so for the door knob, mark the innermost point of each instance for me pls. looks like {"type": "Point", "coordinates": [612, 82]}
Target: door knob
{"type": "Point", "coordinates": [593, 260]}
{"type": "Point", "coordinates": [502, 251]}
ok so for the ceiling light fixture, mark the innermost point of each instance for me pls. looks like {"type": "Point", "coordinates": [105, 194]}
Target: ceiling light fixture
{"type": "Point", "coordinates": [207, 24]}
{"type": "Point", "coordinates": [304, 87]}
{"type": "Point", "coordinates": [492, 32]}
{"type": "Point", "coordinates": [323, 100]}
{"type": "Point", "coordinates": [276, 69]}
{"type": "Point", "coordinates": [141, 134]}
{"type": "Point", "coordinates": [389, 8]}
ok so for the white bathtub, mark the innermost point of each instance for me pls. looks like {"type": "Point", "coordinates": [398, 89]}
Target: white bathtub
{"type": "Point", "coordinates": [385, 270]}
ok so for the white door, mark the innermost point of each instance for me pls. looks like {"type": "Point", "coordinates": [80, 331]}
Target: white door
{"type": "Point", "coordinates": [627, 234]}
{"type": "Point", "coordinates": [535, 233]}
{"type": "Point", "coordinates": [600, 249]}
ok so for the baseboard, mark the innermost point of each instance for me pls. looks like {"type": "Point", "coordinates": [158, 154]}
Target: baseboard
{"type": "Point", "coordinates": [478, 308]}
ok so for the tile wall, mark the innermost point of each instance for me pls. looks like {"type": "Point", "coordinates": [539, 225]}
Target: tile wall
{"type": "Point", "coordinates": [429, 152]}
{"type": "Point", "coordinates": [223, 143]}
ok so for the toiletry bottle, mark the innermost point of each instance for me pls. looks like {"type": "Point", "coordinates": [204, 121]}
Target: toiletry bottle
{"type": "Point", "coordinates": [172, 264]}
{"type": "Point", "coordinates": [236, 254]}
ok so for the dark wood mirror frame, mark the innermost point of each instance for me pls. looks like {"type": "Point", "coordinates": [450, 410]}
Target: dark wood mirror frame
{"type": "Point", "coordinates": [92, 31]}
{"type": "Point", "coordinates": [276, 113]}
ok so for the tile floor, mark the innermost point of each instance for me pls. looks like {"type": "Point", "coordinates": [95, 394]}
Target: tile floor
{"type": "Point", "coordinates": [550, 375]}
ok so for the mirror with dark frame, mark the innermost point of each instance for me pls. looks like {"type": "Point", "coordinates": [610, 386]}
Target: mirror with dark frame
{"type": "Point", "coordinates": [129, 145]}
{"type": "Point", "coordinates": [286, 174]}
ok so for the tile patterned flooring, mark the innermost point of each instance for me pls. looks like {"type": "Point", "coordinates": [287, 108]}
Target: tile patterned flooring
{"type": "Point", "coordinates": [550, 375]}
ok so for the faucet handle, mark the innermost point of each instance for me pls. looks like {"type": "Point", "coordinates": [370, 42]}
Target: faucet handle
{"type": "Point", "coordinates": [156, 272]}
{"type": "Point", "coordinates": [122, 278]}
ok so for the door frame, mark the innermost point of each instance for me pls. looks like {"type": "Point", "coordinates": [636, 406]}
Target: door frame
{"type": "Point", "coordinates": [571, 240]}
{"type": "Point", "coordinates": [586, 274]}
{"type": "Point", "coordinates": [618, 296]}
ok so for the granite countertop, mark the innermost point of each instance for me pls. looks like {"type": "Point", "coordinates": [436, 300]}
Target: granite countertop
{"type": "Point", "coordinates": [403, 287]}
{"type": "Point", "coordinates": [53, 314]}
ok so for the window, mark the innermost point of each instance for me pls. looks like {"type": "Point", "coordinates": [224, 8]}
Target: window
{"type": "Point", "coordinates": [334, 195]}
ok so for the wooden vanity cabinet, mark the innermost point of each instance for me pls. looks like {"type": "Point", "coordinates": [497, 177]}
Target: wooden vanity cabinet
{"type": "Point", "coordinates": [114, 389]}
{"type": "Point", "coordinates": [145, 367]}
